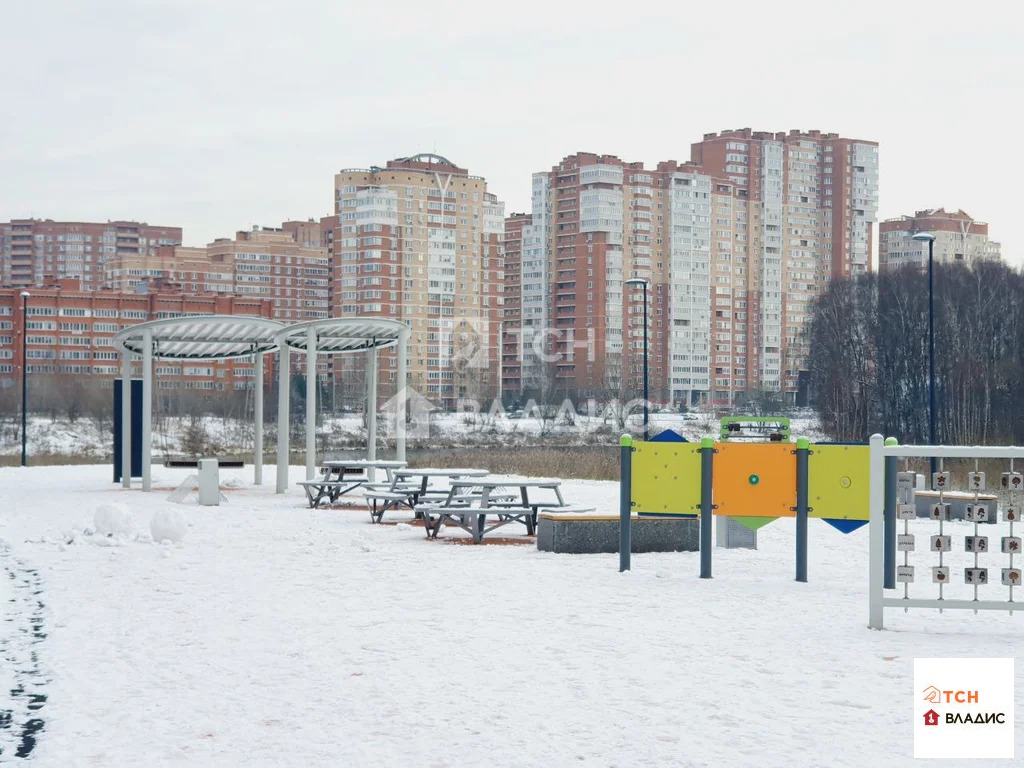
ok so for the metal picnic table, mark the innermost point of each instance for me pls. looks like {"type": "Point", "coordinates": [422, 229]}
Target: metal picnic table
{"type": "Point", "coordinates": [408, 487]}
{"type": "Point", "coordinates": [426, 474]}
{"type": "Point", "coordinates": [473, 519]}
{"type": "Point", "coordinates": [339, 477]}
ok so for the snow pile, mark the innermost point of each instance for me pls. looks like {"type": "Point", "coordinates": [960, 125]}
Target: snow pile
{"type": "Point", "coordinates": [168, 525]}
{"type": "Point", "coordinates": [114, 519]}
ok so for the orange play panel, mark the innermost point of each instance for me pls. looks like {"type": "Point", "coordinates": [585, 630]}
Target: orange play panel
{"type": "Point", "coordinates": [755, 479]}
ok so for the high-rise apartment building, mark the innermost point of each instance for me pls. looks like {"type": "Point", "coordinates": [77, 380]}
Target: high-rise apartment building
{"type": "Point", "coordinates": [34, 250]}
{"type": "Point", "coordinates": [512, 316]}
{"type": "Point", "coordinates": [812, 199]}
{"type": "Point", "coordinates": [420, 240]}
{"type": "Point", "coordinates": [958, 237]}
{"type": "Point", "coordinates": [734, 246]}
{"type": "Point", "coordinates": [598, 221]}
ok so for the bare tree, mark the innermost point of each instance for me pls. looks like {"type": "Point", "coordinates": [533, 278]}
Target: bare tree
{"type": "Point", "coordinates": [869, 354]}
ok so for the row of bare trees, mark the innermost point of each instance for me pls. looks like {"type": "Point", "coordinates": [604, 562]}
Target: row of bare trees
{"type": "Point", "coordinates": [869, 355]}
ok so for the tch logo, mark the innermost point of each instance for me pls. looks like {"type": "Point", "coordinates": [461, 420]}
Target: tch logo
{"type": "Point", "coordinates": [931, 717]}
{"type": "Point", "coordinates": [934, 696]}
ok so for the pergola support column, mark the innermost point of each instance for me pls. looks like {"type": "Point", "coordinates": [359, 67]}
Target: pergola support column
{"type": "Point", "coordinates": [147, 410]}
{"type": "Point", "coordinates": [401, 395]}
{"type": "Point", "coordinates": [126, 419]}
{"type": "Point", "coordinates": [310, 403]}
{"type": "Point", "coordinates": [283, 381]}
{"type": "Point", "coordinates": [257, 406]}
{"type": "Point", "coordinates": [371, 407]}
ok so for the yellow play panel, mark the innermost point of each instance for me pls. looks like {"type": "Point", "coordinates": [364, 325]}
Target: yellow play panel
{"type": "Point", "coordinates": [755, 479]}
{"type": "Point", "coordinates": [837, 482]}
{"type": "Point", "coordinates": [666, 478]}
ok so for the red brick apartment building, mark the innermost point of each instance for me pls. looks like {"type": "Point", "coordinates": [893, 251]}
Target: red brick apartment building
{"type": "Point", "coordinates": [70, 333]}
{"type": "Point", "coordinates": [35, 250]}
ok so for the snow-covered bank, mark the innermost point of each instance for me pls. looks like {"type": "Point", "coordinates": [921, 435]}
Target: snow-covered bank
{"type": "Point", "coordinates": [174, 436]}
{"type": "Point", "coordinates": [276, 635]}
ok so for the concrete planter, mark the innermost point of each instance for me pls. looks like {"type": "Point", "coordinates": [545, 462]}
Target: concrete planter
{"type": "Point", "coordinates": [588, 534]}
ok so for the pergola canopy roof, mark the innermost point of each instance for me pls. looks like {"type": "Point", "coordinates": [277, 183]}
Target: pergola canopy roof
{"type": "Point", "coordinates": [203, 337]}
{"type": "Point", "coordinates": [344, 334]}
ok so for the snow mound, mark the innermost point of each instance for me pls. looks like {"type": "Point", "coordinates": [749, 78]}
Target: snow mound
{"type": "Point", "coordinates": [168, 525]}
{"type": "Point", "coordinates": [403, 527]}
{"type": "Point", "coordinates": [114, 520]}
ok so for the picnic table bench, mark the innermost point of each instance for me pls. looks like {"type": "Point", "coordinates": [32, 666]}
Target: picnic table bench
{"type": "Point", "coordinates": [340, 477]}
{"type": "Point", "coordinates": [473, 519]}
{"type": "Point", "coordinates": [471, 502]}
{"type": "Point", "coordinates": [409, 487]}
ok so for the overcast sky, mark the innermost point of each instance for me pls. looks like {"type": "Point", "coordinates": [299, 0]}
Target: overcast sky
{"type": "Point", "coordinates": [218, 114]}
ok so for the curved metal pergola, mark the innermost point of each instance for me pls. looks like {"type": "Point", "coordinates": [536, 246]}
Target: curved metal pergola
{"type": "Point", "coordinates": [200, 337]}
{"type": "Point", "coordinates": [226, 337]}
{"type": "Point", "coordinates": [332, 336]}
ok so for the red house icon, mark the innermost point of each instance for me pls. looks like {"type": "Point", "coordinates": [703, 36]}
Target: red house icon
{"type": "Point", "coordinates": [931, 717]}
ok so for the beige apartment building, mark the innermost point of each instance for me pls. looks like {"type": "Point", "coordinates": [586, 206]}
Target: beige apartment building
{"type": "Point", "coordinates": [734, 246]}
{"type": "Point", "coordinates": [421, 240]}
{"type": "Point", "coordinates": [266, 263]}
{"type": "Point", "coordinates": [33, 251]}
{"type": "Point", "coordinates": [958, 238]}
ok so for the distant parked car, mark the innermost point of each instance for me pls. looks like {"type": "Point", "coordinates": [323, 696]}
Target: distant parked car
{"type": "Point", "coordinates": [691, 417]}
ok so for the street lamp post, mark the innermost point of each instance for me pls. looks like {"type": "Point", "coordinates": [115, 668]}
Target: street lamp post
{"type": "Point", "coordinates": [24, 378]}
{"type": "Point", "coordinates": [647, 399]}
{"type": "Point", "coordinates": [501, 362]}
{"type": "Point", "coordinates": [928, 237]}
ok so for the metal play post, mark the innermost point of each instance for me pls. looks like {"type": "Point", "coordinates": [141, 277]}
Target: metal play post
{"type": "Point", "coordinates": [707, 458]}
{"type": "Point", "coordinates": [876, 532]}
{"type": "Point", "coordinates": [625, 500]}
{"type": "Point", "coordinates": [892, 467]}
{"type": "Point", "coordinates": [802, 508]}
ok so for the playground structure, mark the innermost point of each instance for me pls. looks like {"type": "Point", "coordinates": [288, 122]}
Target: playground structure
{"type": "Point", "coordinates": [753, 483]}
{"type": "Point", "coordinates": [774, 429]}
{"type": "Point", "coordinates": [893, 501]}
{"type": "Point", "coordinates": [733, 533]}
{"type": "Point", "coordinates": [847, 486]}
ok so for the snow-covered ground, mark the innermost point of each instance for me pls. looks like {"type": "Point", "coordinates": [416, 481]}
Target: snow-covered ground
{"type": "Point", "coordinates": [275, 635]}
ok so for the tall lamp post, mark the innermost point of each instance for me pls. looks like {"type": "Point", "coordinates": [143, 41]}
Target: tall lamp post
{"type": "Point", "coordinates": [647, 400]}
{"type": "Point", "coordinates": [24, 378]}
{"type": "Point", "coordinates": [928, 237]}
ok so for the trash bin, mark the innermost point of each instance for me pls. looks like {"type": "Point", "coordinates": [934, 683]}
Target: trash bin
{"type": "Point", "coordinates": [209, 482]}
